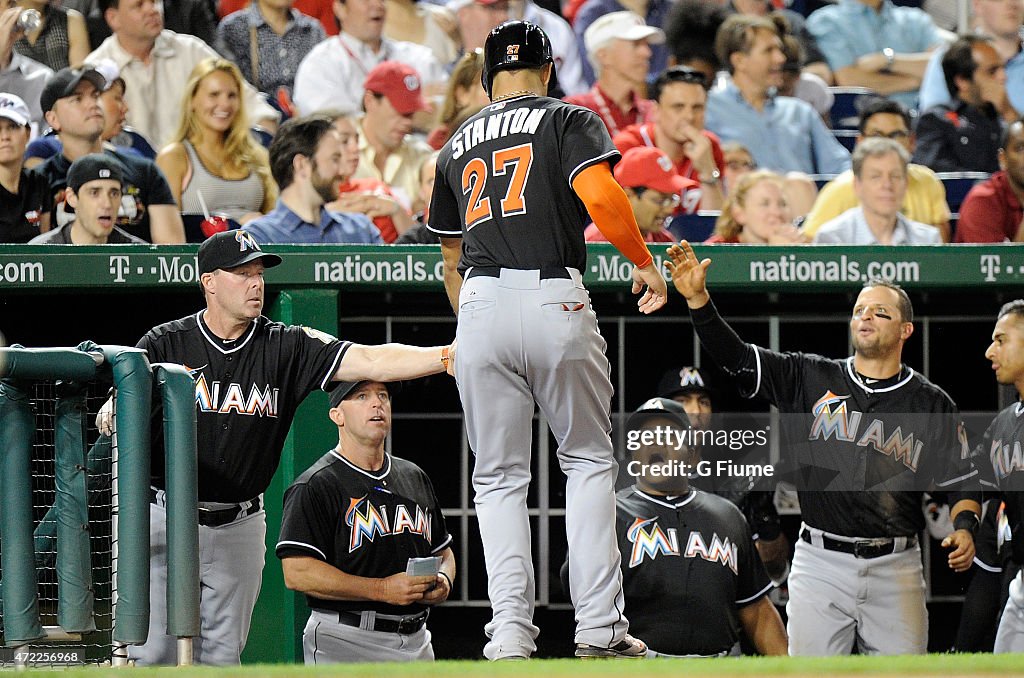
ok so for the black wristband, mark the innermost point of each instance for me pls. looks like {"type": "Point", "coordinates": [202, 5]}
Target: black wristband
{"type": "Point", "coordinates": [966, 520]}
{"type": "Point", "coordinates": [447, 578]}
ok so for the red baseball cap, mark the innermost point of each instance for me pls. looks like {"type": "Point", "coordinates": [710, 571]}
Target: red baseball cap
{"type": "Point", "coordinates": [399, 83]}
{"type": "Point", "coordinates": [650, 167]}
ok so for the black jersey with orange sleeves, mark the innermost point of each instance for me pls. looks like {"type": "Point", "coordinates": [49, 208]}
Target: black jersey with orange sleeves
{"type": "Point", "coordinates": [247, 391]}
{"type": "Point", "coordinates": [365, 523]}
{"type": "Point", "coordinates": [507, 174]}
{"type": "Point", "coordinates": [688, 564]}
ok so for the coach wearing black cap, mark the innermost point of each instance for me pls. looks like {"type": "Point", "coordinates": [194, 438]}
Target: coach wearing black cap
{"type": "Point", "coordinates": [94, 191]}
{"type": "Point", "coordinates": [72, 108]}
{"type": "Point", "coordinates": [251, 374]}
{"type": "Point", "coordinates": [692, 388]}
{"type": "Point", "coordinates": [351, 525]}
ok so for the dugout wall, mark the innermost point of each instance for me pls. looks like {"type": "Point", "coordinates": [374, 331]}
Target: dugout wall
{"type": "Point", "coordinates": [786, 298]}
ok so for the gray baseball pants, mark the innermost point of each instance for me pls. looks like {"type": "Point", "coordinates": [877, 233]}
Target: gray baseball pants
{"type": "Point", "coordinates": [230, 572]}
{"type": "Point", "coordinates": [525, 340]}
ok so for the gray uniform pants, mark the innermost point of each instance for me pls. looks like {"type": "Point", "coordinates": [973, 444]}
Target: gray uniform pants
{"type": "Point", "coordinates": [1010, 636]}
{"type": "Point", "coordinates": [836, 599]}
{"type": "Point", "coordinates": [523, 340]}
{"type": "Point", "coordinates": [230, 573]}
{"type": "Point", "coordinates": [325, 641]}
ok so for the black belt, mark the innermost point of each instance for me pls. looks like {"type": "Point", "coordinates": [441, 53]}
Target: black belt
{"type": "Point", "coordinates": [405, 626]}
{"type": "Point", "coordinates": [546, 272]}
{"type": "Point", "coordinates": [873, 548]}
{"type": "Point", "coordinates": [218, 517]}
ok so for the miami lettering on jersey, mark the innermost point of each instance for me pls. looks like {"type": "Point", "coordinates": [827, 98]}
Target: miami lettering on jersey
{"type": "Point", "coordinates": [650, 541]}
{"type": "Point", "coordinates": [496, 125]}
{"type": "Point", "coordinates": [367, 521]}
{"type": "Point", "coordinates": [832, 418]}
{"type": "Point", "coordinates": [231, 398]}
{"type": "Point", "coordinates": [1006, 458]}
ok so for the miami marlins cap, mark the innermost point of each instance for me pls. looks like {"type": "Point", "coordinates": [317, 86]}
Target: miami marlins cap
{"type": "Point", "coordinates": [93, 167]}
{"type": "Point", "coordinates": [343, 388]}
{"type": "Point", "coordinates": [229, 249]}
{"type": "Point", "coordinates": [680, 380]}
{"type": "Point", "coordinates": [661, 408]}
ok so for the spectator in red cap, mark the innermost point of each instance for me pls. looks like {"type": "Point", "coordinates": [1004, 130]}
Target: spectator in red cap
{"type": "Point", "coordinates": [386, 151]}
{"type": "Point", "coordinates": [680, 95]}
{"type": "Point", "coordinates": [653, 188]}
{"type": "Point", "coordinates": [331, 76]}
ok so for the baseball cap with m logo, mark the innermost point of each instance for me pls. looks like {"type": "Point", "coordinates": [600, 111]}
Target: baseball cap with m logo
{"type": "Point", "coordinates": [229, 249]}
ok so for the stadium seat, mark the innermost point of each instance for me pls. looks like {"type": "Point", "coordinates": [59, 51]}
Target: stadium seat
{"type": "Point", "coordinates": [847, 137]}
{"type": "Point", "coordinates": [845, 112]}
{"type": "Point", "coordinates": [957, 185]}
{"type": "Point", "coordinates": [694, 227]}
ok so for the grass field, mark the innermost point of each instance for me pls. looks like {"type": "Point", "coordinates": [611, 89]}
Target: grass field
{"type": "Point", "coordinates": [929, 665]}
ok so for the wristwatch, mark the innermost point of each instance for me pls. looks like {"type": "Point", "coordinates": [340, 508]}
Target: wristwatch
{"type": "Point", "coordinates": [890, 58]}
{"type": "Point", "coordinates": [713, 179]}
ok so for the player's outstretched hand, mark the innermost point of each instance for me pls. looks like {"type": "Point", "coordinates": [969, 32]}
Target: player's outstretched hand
{"type": "Point", "coordinates": [404, 589]}
{"type": "Point", "coordinates": [105, 418]}
{"type": "Point", "coordinates": [657, 289]}
{"type": "Point", "coordinates": [962, 555]}
{"type": "Point", "coordinates": [439, 593]}
{"type": "Point", "coordinates": [688, 274]}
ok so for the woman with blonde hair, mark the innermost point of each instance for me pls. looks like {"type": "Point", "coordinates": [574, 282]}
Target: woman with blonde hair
{"type": "Point", "coordinates": [464, 97]}
{"type": "Point", "coordinates": [756, 212]}
{"type": "Point", "coordinates": [214, 165]}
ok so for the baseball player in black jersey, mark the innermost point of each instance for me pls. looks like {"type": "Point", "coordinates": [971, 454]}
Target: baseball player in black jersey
{"type": "Point", "coordinates": [1003, 448]}
{"type": "Point", "coordinates": [871, 434]}
{"type": "Point", "coordinates": [351, 523]}
{"type": "Point", "coordinates": [251, 374]}
{"type": "Point", "coordinates": [692, 388]}
{"type": "Point", "coordinates": [687, 554]}
{"type": "Point", "coordinates": [512, 191]}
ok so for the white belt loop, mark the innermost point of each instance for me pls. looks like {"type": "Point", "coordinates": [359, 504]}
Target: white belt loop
{"type": "Point", "coordinates": [577, 277]}
{"type": "Point", "coordinates": [367, 620]}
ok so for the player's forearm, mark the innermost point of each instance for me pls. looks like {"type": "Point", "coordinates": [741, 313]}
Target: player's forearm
{"type": "Point", "coordinates": [318, 579]}
{"type": "Point", "coordinates": [451, 252]}
{"type": "Point", "coordinates": [609, 207]}
{"type": "Point", "coordinates": [966, 503]}
{"type": "Point", "coordinates": [390, 362]}
{"type": "Point", "coordinates": [763, 625]}
{"type": "Point", "coordinates": [720, 340]}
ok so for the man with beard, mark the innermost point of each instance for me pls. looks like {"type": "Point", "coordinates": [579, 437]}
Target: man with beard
{"type": "Point", "coordinates": [307, 159]}
{"type": "Point", "coordinates": [870, 435]}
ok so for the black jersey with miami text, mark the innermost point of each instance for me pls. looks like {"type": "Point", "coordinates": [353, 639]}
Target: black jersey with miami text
{"type": "Point", "coordinates": [864, 452]}
{"type": "Point", "coordinates": [688, 565]}
{"type": "Point", "coordinates": [1003, 447]}
{"type": "Point", "coordinates": [246, 394]}
{"type": "Point", "coordinates": [365, 523]}
{"type": "Point", "coordinates": [504, 183]}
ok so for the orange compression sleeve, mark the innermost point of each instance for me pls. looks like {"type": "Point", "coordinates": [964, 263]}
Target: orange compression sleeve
{"type": "Point", "coordinates": [609, 208]}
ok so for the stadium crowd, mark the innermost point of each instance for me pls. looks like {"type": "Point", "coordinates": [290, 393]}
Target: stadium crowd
{"type": "Point", "coordinates": [843, 122]}
{"type": "Point", "coordinates": [187, 95]}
